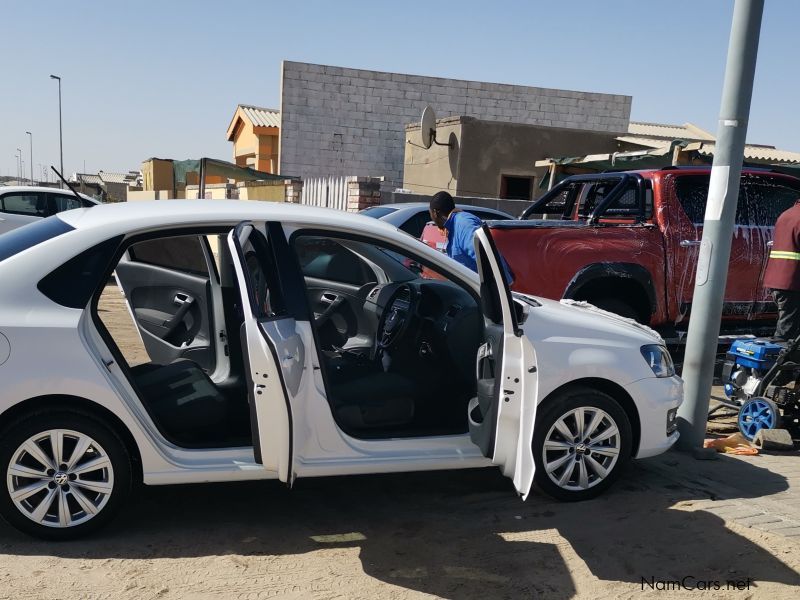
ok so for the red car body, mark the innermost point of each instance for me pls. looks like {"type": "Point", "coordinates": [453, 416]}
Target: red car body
{"type": "Point", "coordinates": [629, 242]}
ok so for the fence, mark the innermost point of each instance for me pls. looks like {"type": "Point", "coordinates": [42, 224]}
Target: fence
{"type": "Point", "coordinates": [328, 192]}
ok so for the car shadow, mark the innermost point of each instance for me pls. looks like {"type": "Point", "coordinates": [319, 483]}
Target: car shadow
{"type": "Point", "coordinates": [455, 534]}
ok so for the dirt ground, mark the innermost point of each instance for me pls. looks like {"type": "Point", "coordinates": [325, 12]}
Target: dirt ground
{"type": "Point", "coordinates": [458, 534]}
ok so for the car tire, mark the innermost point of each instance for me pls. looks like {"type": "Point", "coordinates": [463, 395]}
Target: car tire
{"type": "Point", "coordinates": [576, 469]}
{"type": "Point", "coordinates": [73, 498]}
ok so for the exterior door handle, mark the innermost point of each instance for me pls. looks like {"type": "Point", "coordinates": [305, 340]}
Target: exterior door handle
{"type": "Point", "coordinates": [688, 243]}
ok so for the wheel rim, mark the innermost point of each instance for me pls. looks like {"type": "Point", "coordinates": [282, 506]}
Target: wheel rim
{"type": "Point", "coordinates": [60, 478]}
{"type": "Point", "coordinates": [581, 449]}
{"type": "Point", "coordinates": [755, 415]}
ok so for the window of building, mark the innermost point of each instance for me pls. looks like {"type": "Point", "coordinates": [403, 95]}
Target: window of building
{"type": "Point", "coordinates": [516, 188]}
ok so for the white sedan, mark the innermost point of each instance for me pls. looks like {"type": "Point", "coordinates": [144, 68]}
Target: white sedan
{"type": "Point", "coordinates": [199, 341]}
{"type": "Point", "coordinates": [20, 205]}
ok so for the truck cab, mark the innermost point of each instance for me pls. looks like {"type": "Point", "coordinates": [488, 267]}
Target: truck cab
{"type": "Point", "coordinates": [628, 242]}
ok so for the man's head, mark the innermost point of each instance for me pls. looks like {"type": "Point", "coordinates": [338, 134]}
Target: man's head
{"type": "Point", "coordinates": [440, 208]}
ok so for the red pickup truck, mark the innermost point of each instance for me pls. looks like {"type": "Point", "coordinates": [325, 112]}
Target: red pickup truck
{"type": "Point", "coordinates": [628, 242]}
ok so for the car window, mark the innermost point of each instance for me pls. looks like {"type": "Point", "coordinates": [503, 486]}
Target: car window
{"type": "Point", "coordinates": [625, 205]}
{"type": "Point", "coordinates": [692, 193]}
{"type": "Point", "coordinates": [179, 253]}
{"type": "Point", "coordinates": [324, 258]}
{"type": "Point", "coordinates": [556, 205]}
{"type": "Point", "coordinates": [376, 212]}
{"type": "Point", "coordinates": [416, 224]}
{"type": "Point", "coordinates": [33, 205]}
{"type": "Point", "coordinates": [62, 203]}
{"type": "Point", "coordinates": [767, 198]}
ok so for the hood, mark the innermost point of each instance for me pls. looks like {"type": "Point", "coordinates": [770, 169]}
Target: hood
{"type": "Point", "coordinates": [585, 321]}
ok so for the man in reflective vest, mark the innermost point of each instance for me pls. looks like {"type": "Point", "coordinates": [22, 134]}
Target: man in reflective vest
{"type": "Point", "coordinates": [783, 272]}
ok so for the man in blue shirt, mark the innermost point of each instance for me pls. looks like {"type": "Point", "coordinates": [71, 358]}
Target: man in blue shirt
{"type": "Point", "coordinates": [460, 226]}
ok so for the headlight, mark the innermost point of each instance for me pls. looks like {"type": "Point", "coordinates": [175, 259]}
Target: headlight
{"type": "Point", "coordinates": [659, 360]}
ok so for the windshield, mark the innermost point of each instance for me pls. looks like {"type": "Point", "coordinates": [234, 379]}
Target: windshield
{"type": "Point", "coordinates": [30, 235]}
{"type": "Point", "coordinates": [376, 212]}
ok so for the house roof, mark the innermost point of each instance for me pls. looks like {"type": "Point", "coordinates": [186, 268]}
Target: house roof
{"type": "Point", "coordinates": [655, 135]}
{"type": "Point", "coordinates": [687, 131]}
{"type": "Point", "coordinates": [256, 115]}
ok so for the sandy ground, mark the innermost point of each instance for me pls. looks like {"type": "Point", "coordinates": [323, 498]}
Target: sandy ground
{"type": "Point", "coordinates": [460, 534]}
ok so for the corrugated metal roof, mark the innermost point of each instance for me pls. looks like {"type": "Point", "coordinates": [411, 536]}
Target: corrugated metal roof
{"type": "Point", "coordinates": [262, 117]}
{"type": "Point", "coordinates": [110, 177]}
{"type": "Point", "coordinates": [89, 178]}
{"type": "Point", "coordinates": [687, 131]}
{"type": "Point", "coordinates": [760, 153]}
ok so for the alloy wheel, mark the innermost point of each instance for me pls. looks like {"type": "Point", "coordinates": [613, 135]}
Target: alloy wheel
{"type": "Point", "coordinates": [60, 478]}
{"type": "Point", "coordinates": [581, 448]}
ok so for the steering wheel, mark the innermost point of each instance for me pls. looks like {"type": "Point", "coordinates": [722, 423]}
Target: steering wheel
{"type": "Point", "coordinates": [396, 317]}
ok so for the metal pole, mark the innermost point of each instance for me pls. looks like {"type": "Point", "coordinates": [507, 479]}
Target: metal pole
{"type": "Point", "coordinates": [201, 188]}
{"type": "Point", "coordinates": [20, 173]}
{"type": "Point", "coordinates": [31, 140]}
{"type": "Point", "coordinates": [60, 130]}
{"type": "Point", "coordinates": [715, 247]}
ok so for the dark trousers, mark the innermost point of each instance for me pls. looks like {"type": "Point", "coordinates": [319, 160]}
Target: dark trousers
{"type": "Point", "coordinates": [788, 326]}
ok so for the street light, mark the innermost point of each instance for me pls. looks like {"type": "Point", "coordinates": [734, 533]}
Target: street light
{"type": "Point", "coordinates": [31, 164]}
{"type": "Point", "coordinates": [60, 131]}
{"type": "Point", "coordinates": [17, 157]}
{"type": "Point", "coordinates": [19, 170]}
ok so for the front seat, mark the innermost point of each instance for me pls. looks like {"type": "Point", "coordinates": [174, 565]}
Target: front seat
{"type": "Point", "coordinates": [373, 401]}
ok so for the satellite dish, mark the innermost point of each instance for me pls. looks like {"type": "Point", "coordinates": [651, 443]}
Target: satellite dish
{"type": "Point", "coordinates": [428, 126]}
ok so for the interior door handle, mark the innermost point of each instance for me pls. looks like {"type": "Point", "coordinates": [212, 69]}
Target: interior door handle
{"type": "Point", "coordinates": [770, 243]}
{"type": "Point", "coordinates": [185, 304]}
{"type": "Point", "coordinates": [181, 299]}
{"type": "Point", "coordinates": [687, 243]}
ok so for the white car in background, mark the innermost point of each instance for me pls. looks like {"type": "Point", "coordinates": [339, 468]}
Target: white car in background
{"type": "Point", "coordinates": [258, 340]}
{"type": "Point", "coordinates": [20, 205]}
{"type": "Point", "coordinates": [412, 217]}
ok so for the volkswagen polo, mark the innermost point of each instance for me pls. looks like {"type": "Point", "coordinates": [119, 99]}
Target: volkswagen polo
{"type": "Point", "coordinates": [207, 341]}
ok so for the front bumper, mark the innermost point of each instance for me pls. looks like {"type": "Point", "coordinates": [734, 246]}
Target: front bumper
{"type": "Point", "coordinates": [654, 398]}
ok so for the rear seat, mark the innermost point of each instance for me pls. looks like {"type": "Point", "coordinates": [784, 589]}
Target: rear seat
{"type": "Point", "coordinates": [181, 397]}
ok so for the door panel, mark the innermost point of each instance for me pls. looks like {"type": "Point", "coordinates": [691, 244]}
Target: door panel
{"type": "Point", "coordinates": [171, 309]}
{"type": "Point", "coordinates": [501, 417]}
{"type": "Point", "coordinates": [688, 194]}
{"type": "Point", "coordinates": [338, 313]}
{"type": "Point", "coordinates": [274, 351]}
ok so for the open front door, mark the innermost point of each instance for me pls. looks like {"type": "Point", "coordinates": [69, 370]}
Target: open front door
{"type": "Point", "coordinates": [501, 418]}
{"type": "Point", "coordinates": [274, 353]}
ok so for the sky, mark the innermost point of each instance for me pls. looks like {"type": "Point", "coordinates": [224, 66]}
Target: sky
{"type": "Point", "coordinates": [163, 78]}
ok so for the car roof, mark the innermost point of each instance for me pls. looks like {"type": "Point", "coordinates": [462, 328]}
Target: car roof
{"type": "Point", "coordinates": [41, 188]}
{"type": "Point", "coordinates": [123, 217]}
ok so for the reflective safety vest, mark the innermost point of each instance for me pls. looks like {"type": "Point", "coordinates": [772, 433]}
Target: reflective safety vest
{"type": "Point", "coordinates": [783, 269]}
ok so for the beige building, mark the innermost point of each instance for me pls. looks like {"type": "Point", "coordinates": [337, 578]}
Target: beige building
{"type": "Point", "coordinates": [255, 132]}
{"type": "Point", "coordinates": [491, 159]}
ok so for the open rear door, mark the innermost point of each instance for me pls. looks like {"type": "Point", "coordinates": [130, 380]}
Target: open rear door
{"type": "Point", "coordinates": [501, 417]}
{"type": "Point", "coordinates": [274, 353]}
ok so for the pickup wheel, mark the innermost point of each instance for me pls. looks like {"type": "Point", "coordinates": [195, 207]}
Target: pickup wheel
{"type": "Point", "coordinates": [581, 443]}
{"type": "Point", "coordinates": [616, 306]}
